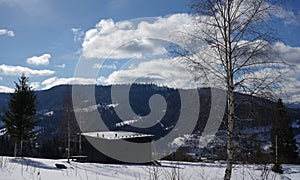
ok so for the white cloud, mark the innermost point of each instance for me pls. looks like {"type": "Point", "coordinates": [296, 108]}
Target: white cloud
{"type": "Point", "coordinates": [292, 78]}
{"type": "Point", "coordinates": [100, 66]}
{"type": "Point", "coordinates": [55, 81]}
{"type": "Point", "coordinates": [78, 34]}
{"type": "Point", "coordinates": [169, 72]}
{"type": "Point", "coordinates": [35, 85]}
{"type": "Point", "coordinates": [6, 89]}
{"type": "Point", "coordinates": [7, 32]}
{"type": "Point", "coordinates": [61, 65]}
{"type": "Point", "coordinates": [288, 53]}
{"type": "Point", "coordinates": [18, 70]}
{"type": "Point", "coordinates": [132, 39]}
{"type": "Point", "coordinates": [34, 8]}
{"type": "Point", "coordinates": [289, 17]}
{"type": "Point", "coordinates": [11, 2]}
{"type": "Point", "coordinates": [292, 84]}
{"type": "Point", "coordinates": [39, 60]}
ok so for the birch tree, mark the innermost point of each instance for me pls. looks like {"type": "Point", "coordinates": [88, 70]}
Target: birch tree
{"type": "Point", "coordinates": [69, 128]}
{"type": "Point", "coordinates": [230, 46]}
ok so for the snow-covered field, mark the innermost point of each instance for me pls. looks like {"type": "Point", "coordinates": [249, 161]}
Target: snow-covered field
{"type": "Point", "coordinates": [44, 169]}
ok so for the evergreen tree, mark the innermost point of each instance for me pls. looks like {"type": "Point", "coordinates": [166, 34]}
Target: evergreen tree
{"type": "Point", "coordinates": [20, 118]}
{"type": "Point", "coordinates": [283, 148]}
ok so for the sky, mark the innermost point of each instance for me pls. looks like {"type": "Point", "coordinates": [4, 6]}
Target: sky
{"type": "Point", "coordinates": [86, 42]}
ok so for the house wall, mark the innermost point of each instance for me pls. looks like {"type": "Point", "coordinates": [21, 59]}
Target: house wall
{"type": "Point", "coordinates": [138, 151]}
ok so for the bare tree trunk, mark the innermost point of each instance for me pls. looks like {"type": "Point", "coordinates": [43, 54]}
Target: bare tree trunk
{"type": "Point", "coordinates": [230, 88]}
{"type": "Point", "coordinates": [21, 148]}
{"type": "Point", "coordinates": [69, 119]}
{"type": "Point", "coordinates": [80, 138]}
{"type": "Point", "coordinates": [69, 140]}
{"type": "Point", "coordinates": [15, 149]}
{"type": "Point", "coordinates": [230, 127]}
{"type": "Point", "coordinates": [80, 148]}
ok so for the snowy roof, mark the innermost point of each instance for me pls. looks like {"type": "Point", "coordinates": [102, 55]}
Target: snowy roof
{"type": "Point", "coordinates": [116, 134]}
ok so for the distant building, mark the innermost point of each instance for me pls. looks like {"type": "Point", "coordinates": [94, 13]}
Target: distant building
{"type": "Point", "coordinates": [117, 147]}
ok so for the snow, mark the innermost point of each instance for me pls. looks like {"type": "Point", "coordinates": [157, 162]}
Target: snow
{"type": "Point", "coordinates": [89, 108]}
{"type": "Point", "coordinates": [95, 107]}
{"type": "Point", "coordinates": [115, 134]}
{"type": "Point", "coordinates": [112, 105]}
{"type": "Point", "coordinates": [3, 131]}
{"type": "Point", "coordinates": [180, 141]}
{"type": "Point", "coordinates": [37, 169]}
{"type": "Point", "coordinates": [50, 113]}
{"type": "Point", "coordinates": [127, 122]}
{"type": "Point", "coordinates": [257, 130]}
{"type": "Point", "coordinates": [295, 125]}
{"type": "Point", "coordinates": [177, 142]}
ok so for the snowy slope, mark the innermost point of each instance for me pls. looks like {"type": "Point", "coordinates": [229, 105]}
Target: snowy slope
{"type": "Point", "coordinates": [44, 169]}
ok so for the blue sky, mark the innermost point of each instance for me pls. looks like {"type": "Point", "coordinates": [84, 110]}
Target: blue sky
{"type": "Point", "coordinates": [45, 39]}
{"type": "Point", "coordinates": [44, 27]}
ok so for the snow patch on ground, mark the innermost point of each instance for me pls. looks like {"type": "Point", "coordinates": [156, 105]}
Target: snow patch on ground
{"type": "Point", "coordinates": [3, 131]}
{"type": "Point", "coordinates": [295, 124]}
{"type": "Point", "coordinates": [127, 122]}
{"type": "Point", "coordinates": [50, 113]}
{"type": "Point", "coordinates": [179, 141]}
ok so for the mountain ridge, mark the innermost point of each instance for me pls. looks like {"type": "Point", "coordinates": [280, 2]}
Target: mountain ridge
{"type": "Point", "coordinates": [254, 114]}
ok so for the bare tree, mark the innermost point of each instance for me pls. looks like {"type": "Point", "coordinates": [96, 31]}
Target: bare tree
{"type": "Point", "coordinates": [231, 46]}
{"type": "Point", "coordinates": [69, 128]}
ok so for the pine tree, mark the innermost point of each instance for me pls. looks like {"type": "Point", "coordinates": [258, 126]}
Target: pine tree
{"type": "Point", "coordinates": [283, 148]}
{"type": "Point", "coordinates": [20, 118]}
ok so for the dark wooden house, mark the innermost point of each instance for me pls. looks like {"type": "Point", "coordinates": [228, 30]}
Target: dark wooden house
{"type": "Point", "coordinates": [117, 147]}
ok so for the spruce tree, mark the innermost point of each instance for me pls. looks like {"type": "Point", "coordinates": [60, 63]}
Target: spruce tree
{"type": "Point", "coordinates": [282, 138]}
{"type": "Point", "coordinates": [20, 118]}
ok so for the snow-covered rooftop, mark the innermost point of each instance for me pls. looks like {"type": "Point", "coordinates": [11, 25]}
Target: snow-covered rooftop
{"type": "Point", "coordinates": [116, 134]}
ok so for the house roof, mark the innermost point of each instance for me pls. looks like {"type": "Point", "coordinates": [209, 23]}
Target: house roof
{"type": "Point", "coordinates": [111, 135]}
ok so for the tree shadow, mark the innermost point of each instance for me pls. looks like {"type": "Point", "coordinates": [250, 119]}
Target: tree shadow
{"type": "Point", "coordinates": [32, 163]}
{"type": "Point", "coordinates": [194, 164]}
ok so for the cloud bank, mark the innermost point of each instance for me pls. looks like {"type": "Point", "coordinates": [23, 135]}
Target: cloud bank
{"type": "Point", "coordinates": [55, 81]}
{"type": "Point", "coordinates": [18, 70]}
{"type": "Point", "coordinates": [135, 39]}
{"type": "Point", "coordinates": [6, 89]}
